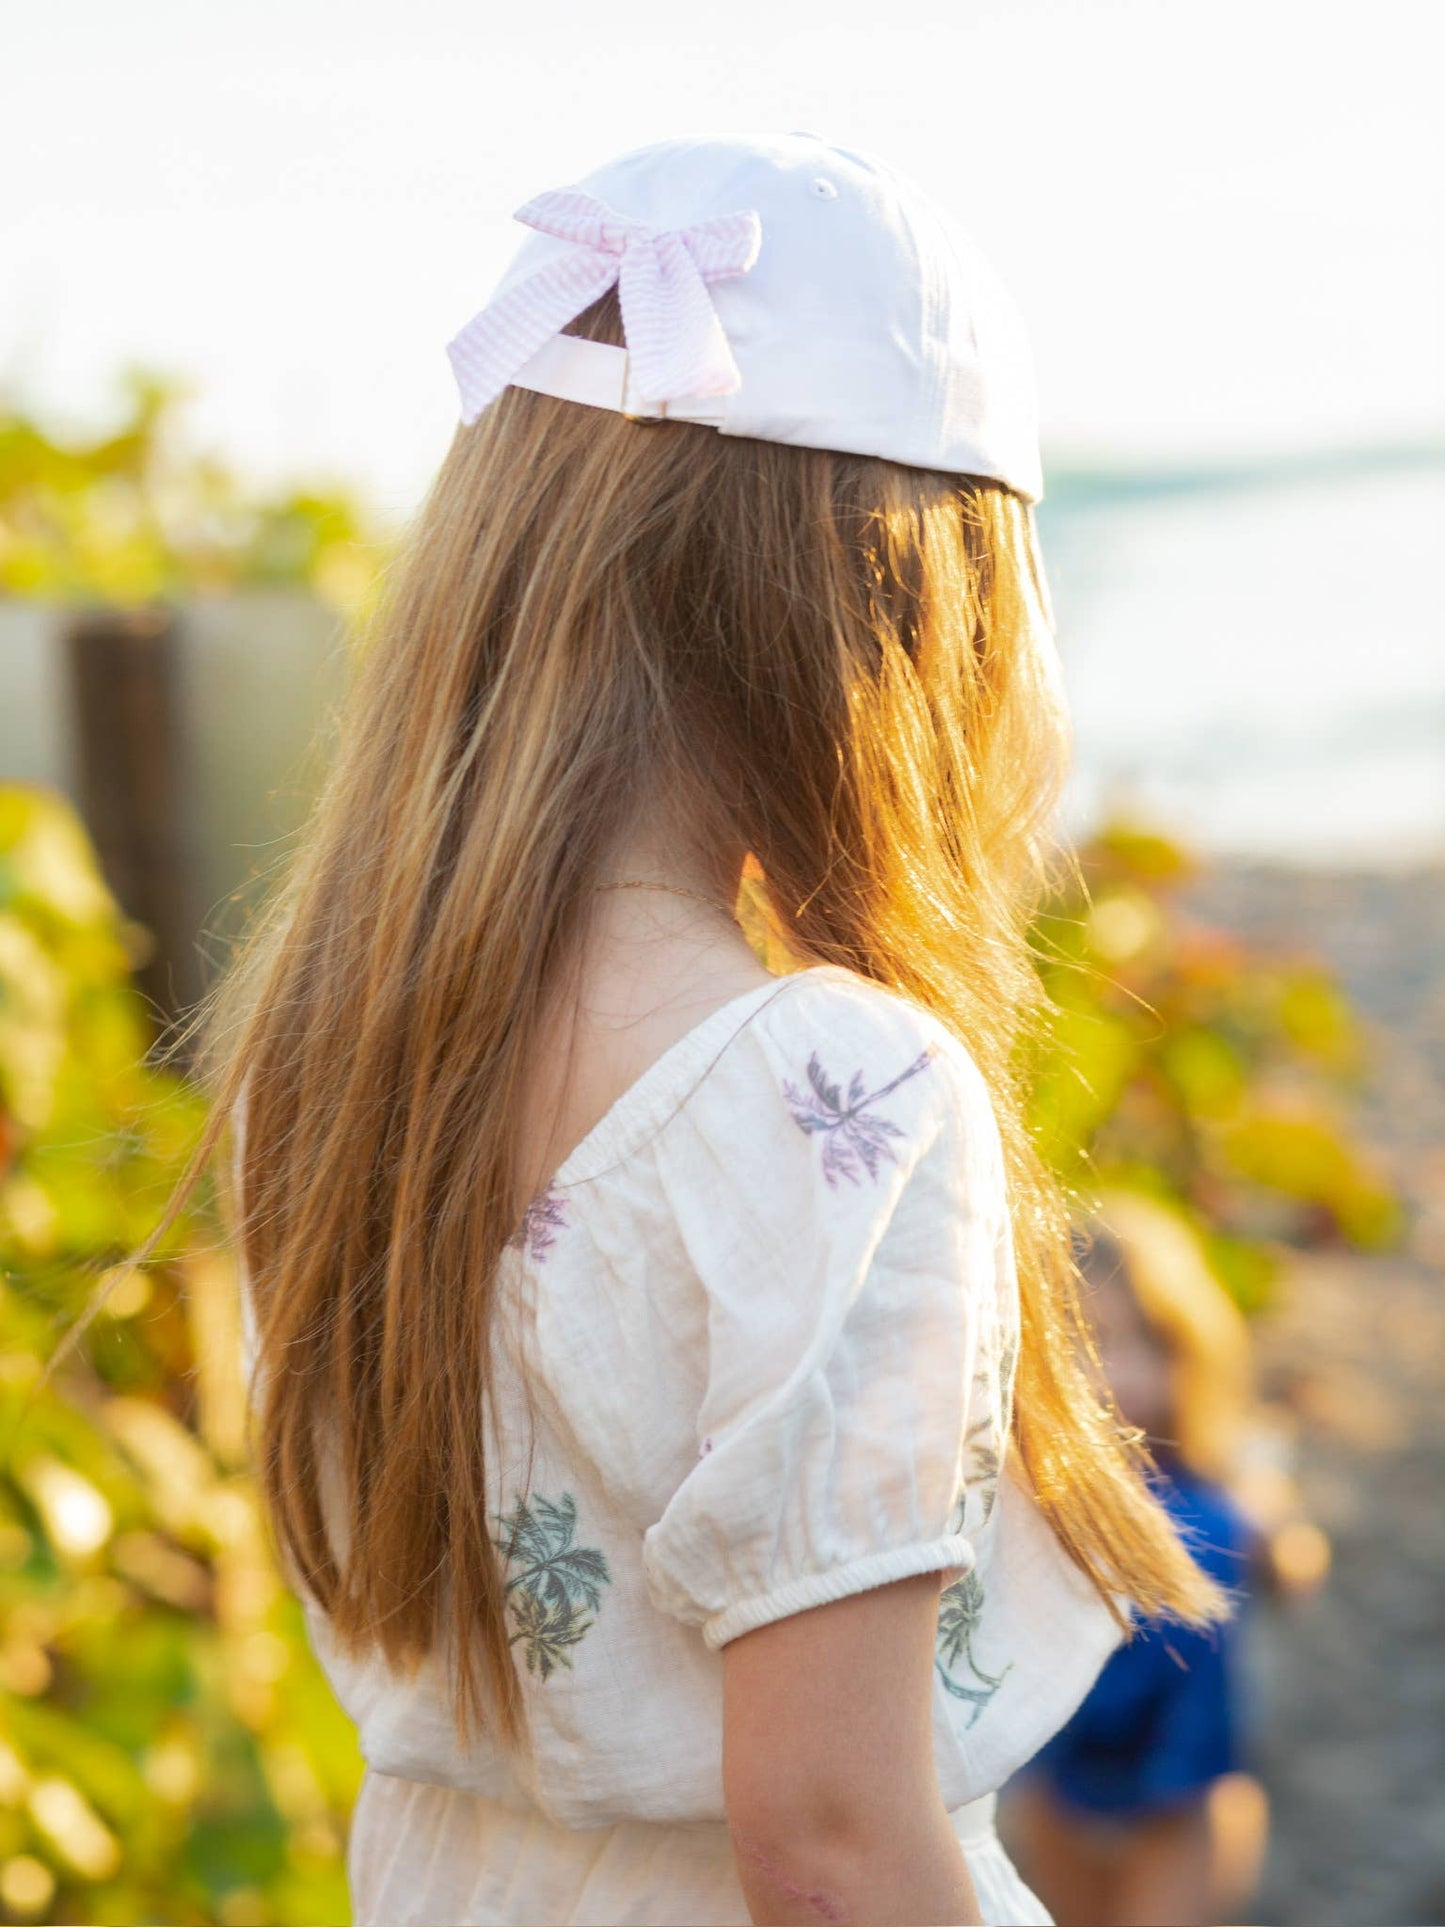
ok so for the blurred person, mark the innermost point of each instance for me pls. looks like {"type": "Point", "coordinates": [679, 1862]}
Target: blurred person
{"type": "Point", "coordinates": [1143, 1808]}
{"type": "Point", "coordinates": [663, 1364]}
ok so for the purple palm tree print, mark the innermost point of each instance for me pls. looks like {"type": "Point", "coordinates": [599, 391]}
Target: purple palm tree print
{"type": "Point", "coordinates": [544, 1217]}
{"type": "Point", "coordinates": [854, 1140]}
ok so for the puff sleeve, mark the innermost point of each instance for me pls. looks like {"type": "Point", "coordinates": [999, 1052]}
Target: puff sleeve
{"type": "Point", "coordinates": [860, 1296]}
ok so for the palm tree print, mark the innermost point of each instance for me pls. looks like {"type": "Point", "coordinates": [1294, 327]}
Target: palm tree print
{"type": "Point", "coordinates": [982, 1441]}
{"type": "Point", "coordinates": [854, 1141]}
{"type": "Point", "coordinates": [556, 1582]}
{"type": "Point", "coordinates": [959, 1611]}
{"type": "Point", "coordinates": [987, 1436]}
{"type": "Point", "coordinates": [544, 1217]}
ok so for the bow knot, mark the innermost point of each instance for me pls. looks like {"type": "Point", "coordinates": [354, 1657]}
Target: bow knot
{"type": "Point", "coordinates": [674, 339]}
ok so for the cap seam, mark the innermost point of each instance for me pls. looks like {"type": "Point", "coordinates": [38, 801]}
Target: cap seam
{"type": "Point", "coordinates": [929, 285]}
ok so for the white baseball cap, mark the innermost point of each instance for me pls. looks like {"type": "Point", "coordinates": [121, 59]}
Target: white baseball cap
{"type": "Point", "coordinates": [777, 287]}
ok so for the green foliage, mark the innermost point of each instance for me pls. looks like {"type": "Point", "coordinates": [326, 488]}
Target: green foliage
{"type": "Point", "coordinates": [137, 516]}
{"type": "Point", "coordinates": [169, 1750]}
{"type": "Point", "coordinates": [1214, 1077]}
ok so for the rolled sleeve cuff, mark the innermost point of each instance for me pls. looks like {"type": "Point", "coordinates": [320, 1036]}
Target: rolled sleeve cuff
{"type": "Point", "coordinates": [839, 1582]}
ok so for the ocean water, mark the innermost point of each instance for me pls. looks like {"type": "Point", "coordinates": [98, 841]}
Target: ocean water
{"type": "Point", "coordinates": [1257, 661]}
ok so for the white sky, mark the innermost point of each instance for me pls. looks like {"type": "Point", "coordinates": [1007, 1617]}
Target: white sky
{"type": "Point", "coordinates": [1223, 218]}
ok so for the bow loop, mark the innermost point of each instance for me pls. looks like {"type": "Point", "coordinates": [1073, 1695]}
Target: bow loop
{"type": "Point", "coordinates": [675, 340]}
{"type": "Point", "coordinates": [572, 216]}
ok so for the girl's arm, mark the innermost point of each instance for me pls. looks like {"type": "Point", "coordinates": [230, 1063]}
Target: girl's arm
{"type": "Point", "coordinates": [828, 1766]}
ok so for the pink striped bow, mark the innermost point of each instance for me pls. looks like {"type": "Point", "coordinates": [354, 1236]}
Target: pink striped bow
{"type": "Point", "coordinates": [674, 339]}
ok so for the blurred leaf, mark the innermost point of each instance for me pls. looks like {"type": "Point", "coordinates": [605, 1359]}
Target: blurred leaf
{"type": "Point", "coordinates": [137, 516]}
{"type": "Point", "coordinates": [1209, 1074]}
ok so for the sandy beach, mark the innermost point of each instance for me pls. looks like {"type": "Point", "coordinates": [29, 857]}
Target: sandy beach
{"type": "Point", "coordinates": [1352, 1685]}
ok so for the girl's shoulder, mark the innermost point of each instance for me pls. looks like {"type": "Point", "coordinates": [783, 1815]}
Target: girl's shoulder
{"type": "Point", "coordinates": [835, 1008]}
{"type": "Point", "coordinates": [833, 1045]}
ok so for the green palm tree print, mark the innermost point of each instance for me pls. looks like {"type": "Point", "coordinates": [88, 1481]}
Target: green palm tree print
{"type": "Point", "coordinates": [960, 1608]}
{"type": "Point", "coordinates": [988, 1434]}
{"type": "Point", "coordinates": [959, 1611]}
{"type": "Point", "coordinates": [555, 1584]}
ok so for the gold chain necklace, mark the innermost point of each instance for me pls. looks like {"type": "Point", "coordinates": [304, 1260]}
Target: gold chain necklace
{"type": "Point", "coordinates": [643, 883]}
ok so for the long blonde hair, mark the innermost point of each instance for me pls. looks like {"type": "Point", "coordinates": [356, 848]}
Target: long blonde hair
{"type": "Point", "coordinates": [835, 662]}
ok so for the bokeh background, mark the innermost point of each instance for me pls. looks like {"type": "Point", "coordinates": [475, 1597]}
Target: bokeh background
{"type": "Point", "coordinates": [235, 245]}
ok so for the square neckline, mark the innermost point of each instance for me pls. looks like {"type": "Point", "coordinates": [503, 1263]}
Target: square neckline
{"type": "Point", "coordinates": [640, 1106]}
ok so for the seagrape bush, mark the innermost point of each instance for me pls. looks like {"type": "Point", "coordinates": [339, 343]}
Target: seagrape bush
{"type": "Point", "coordinates": [169, 1751]}
{"type": "Point", "coordinates": [1210, 1075]}
{"type": "Point", "coordinates": [168, 1748]}
{"type": "Point", "coordinates": [138, 514]}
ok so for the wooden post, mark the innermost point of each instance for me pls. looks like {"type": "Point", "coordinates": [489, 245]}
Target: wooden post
{"type": "Point", "coordinates": [134, 785]}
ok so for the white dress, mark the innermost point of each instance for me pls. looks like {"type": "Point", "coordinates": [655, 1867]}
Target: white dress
{"type": "Point", "coordinates": [768, 1311]}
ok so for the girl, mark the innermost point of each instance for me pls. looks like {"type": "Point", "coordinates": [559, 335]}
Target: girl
{"type": "Point", "coordinates": [1141, 1809]}
{"type": "Point", "coordinates": [664, 1381]}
